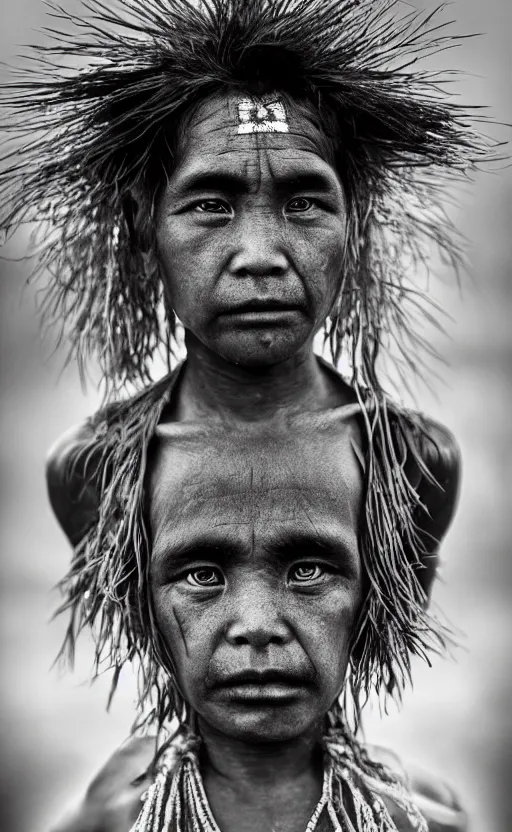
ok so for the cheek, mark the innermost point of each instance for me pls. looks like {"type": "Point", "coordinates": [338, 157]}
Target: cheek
{"type": "Point", "coordinates": [187, 636]}
{"type": "Point", "coordinates": [318, 257]}
{"type": "Point", "coordinates": [187, 263]}
{"type": "Point", "coordinates": [327, 628]}
{"type": "Point", "coordinates": [170, 626]}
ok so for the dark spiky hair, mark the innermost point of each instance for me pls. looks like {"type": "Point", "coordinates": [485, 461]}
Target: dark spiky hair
{"type": "Point", "coordinates": [94, 133]}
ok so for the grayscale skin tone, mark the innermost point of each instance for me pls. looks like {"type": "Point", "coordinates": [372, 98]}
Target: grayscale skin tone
{"type": "Point", "coordinates": [254, 464]}
{"type": "Point", "coordinates": [264, 224]}
{"type": "Point", "coordinates": [256, 581]}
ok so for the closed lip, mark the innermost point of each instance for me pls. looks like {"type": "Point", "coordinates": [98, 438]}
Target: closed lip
{"type": "Point", "coordinates": [264, 305]}
{"type": "Point", "coordinates": [263, 678]}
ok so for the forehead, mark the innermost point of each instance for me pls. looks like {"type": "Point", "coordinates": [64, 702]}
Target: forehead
{"type": "Point", "coordinates": [255, 490]}
{"type": "Point", "coordinates": [234, 128]}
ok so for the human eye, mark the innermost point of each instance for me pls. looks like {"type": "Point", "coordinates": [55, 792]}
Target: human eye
{"type": "Point", "coordinates": [306, 573]}
{"type": "Point", "coordinates": [212, 206]}
{"type": "Point", "coordinates": [205, 576]}
{"type": "Point", "coordinates": [300, 204]}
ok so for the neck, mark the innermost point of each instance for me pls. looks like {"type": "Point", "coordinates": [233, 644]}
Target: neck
{"type": "Point", "coordinates": [262, 767]}
{"type": "Point", "coordinates": [214, 387]}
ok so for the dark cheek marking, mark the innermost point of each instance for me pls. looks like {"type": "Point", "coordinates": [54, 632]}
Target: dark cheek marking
{"type": "Point", "coordinates": [180, 628]}
{"type": "Point", "coordinates": [253, 532]}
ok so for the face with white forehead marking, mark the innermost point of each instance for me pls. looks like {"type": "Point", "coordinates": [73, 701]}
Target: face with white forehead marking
{"type": "Point", "coordinates": [251, 228]}
{"type": "Point", "coordinates": [256, 569]}
{"type": "Point", "coordinates": [262, 115]}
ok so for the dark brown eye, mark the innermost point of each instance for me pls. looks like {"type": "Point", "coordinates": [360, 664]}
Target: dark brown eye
{"type": "Point", "coordinates": [212, 206]}
{"type": "Point", "coordinates": [304, 572]}
{"type": "Point", "coordinates": [299, 204]}
{"type": "Point", "coordinates": [205, 576]}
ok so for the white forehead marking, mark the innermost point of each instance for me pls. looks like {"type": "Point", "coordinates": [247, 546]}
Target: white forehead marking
{"type": "Point", "coordinates": [262, 115]}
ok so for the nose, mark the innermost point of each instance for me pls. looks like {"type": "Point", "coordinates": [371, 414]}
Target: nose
{"type": "Point", "coordinates": [256, 620]}
{"type": "Point", "coordinates": [259, 248]}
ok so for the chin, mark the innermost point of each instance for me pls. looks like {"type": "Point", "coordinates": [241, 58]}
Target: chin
{"type": "Point", "coordinates": [261, 349]}
{"type": "Point", "coordinates": [264, 725]}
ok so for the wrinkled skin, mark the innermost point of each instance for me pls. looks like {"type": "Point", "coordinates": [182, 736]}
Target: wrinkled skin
{"type": "Point", "coordinates": [256, 570]}
{"type": "Point", "coordinates": [255, 566]}
{"type": "Point", "coordinates": [251, 219]}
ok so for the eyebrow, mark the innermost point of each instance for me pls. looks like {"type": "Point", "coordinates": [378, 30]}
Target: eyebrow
{"type": "Point", "coordinates": [294, 545]}
{"type": "Point", "coordinates": [179, 556]}
{"type": "Point", "coordinates": [232, 183]}
{"type": "Point", "coordinates": [227, 182]}
{"type": "Point", "coordinates": [287, 547]}
{"type": "Point", "coordinates": [313, 181]}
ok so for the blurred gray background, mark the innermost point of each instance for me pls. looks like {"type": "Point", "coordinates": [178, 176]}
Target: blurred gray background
{"type": "Point", "coordinates": [457, 721]}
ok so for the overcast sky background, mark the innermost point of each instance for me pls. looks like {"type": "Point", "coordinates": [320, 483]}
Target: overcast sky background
{"type": "Point", "coordinates": [458, 719]}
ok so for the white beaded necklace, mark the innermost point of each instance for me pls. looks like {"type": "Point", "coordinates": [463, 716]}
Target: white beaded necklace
{"type": "Point", "coordinates": [177, 800]}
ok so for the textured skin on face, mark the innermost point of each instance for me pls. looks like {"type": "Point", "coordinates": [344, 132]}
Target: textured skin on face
{"type": "Point", "coordinates": [247, 218]}
{"type": "Point", "coordinates": [249, 506]}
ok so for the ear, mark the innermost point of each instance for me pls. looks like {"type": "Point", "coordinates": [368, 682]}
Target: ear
{"type": "Point", "coordinates": [138, 219]}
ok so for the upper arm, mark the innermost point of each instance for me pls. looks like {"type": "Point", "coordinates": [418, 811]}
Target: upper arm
{"type": "Point", "coordinates": [436, 799]}
{"type": "Point", "coordinates": [114, 795]}
{"type": "Point", "coordinates": [435, 474]}
{"type": "Point", "coordinates": [113, 799]}
{"type": "Point", "coordinates": [439, 491]}
{"type": "Point", "coordinates": [72, 481]}
{"type": "Point", "coordinates": [437, 802]}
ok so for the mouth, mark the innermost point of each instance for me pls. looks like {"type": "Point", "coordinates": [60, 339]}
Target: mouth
{"type": "Point", "coordinates": [263, 312]}
{"type": "Point", "coordinates": [262, 694]}
{"type": "Point", "coordinates": [269, 686]}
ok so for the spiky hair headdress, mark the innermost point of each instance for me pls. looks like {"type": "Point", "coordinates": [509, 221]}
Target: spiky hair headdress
{"type": "Point", "coordinates": [93, 134]}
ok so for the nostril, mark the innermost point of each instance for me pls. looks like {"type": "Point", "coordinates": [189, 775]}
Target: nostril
{"type": "Point", "coordinates": [272, 271]}
{"type": "Point", "coordinates": [257, 639]}
{"type": "Point", "coordinates": [276, 640]}
{"type": "Point", "coordinates": [268, 271]}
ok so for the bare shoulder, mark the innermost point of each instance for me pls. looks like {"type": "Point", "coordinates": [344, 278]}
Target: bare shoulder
{"type": "Point", "coordinates": [437, 801]}
{"type": "Point", "coordinates": [112, 801]}
{"type": "Point", "coordinates": [71, 471]}
{"type": "Point", "coordinates": [81, 463]}
{"type": "Point", "coordinates": [434, 797]}
{"type": "Point", "coordinates": [64, 449]}
{"type": "Point", "coordinates": [438, 448]}
{"type": "Point", "coordinates": [126, 771]}
{"type": "Point", "coordinates": [433, 468]}
{"type": "Point", "coordinates": [77, 471]}
{"type": "Point", "coordinates": [437, 475]}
